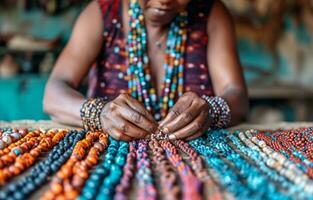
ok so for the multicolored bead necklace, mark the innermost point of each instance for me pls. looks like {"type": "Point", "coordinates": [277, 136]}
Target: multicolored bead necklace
{"type": "Point", "coordinates": [124, 186]}
{"type": "Point", "coordinates": [139, 73]}
{"type": "Point", "coordinates": [146, 184]}
{"type": "Point", "coordinates": [191, 185]}
{"type": "Point", "coordinates": [166, 172]}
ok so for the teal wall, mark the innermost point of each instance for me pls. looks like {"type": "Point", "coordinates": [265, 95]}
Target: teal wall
{"type": "Point", "coordinates": [21, 97]}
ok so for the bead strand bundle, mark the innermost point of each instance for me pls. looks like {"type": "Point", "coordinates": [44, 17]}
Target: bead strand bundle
{"type": "Point", "coordinates": [146, 187]}
{"type": "Point", "coordinates": [197, 164]}
{"type": "Point", "coordinates": [9, 136]}
{"type": "Point", "coordinates": [123, 188]}
{"type": "Point", "coordinates": [92, 185]}
{"type": "Point", "coordinates": [70, 179]}
{"type": "Point", "coordinates": [23, 159]}
{"type": "Point", "coordinates": [166, 172]}
{"type": "Point", "coordinates": [40, 172]}
{"type": "Point", "coordinates": [191, 185]}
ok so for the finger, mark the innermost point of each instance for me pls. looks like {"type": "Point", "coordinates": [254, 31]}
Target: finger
{"type": "Point", "coordinates": [128, 128]}
{"type": "Point", "coordinates": [195, 126]}
{"type": "Point", "coordinates": [118, 135]}
{"type": "Point", "coordinates": [136, 118]}
{"type": "Point", "coordinates": [136, 105]}
{"type": "Point", "coordinates": [183, 119]}
{"type": "Point", "coordinates": [194, 136]}
{"type": "Point", "coordinates": [176, 110]}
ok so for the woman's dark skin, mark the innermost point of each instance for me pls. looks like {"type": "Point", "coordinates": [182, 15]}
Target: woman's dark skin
{"type": "Point", "coordinates": [125, 118]}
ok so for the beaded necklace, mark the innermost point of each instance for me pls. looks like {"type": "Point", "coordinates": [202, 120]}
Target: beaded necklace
{"type": "Point", "coordinates": [166, 173]}
{"type": "Point", "coordinates": [107, 189]}
{"type": "Point", "coordinates": [191, 185]}
{"type": "Point", "coordinates": [146, 185]}
{"type": "Point", "coordinates": [212, 190]}
{"type": "Point", "coordinates": [22, 161]}
{"type": "Point", "coordinates": [39, 174]}
{"type": "Point", "coordinates": [9, 136]}
{"type": "Point", "coordinates": [261, 187]}
{"type": "Point", "coordinates": [70, 179]}
{"type": "Point", "coordinates": [264, 164]}
{"type": "Point", "coordinates": [277, 145]}
{"type": "Point", "coordinates": [139, 73]}
{"type": "Point", "coordinates": [227, 177]}
{"type": "Point", "coordinates": [300, 181]}
{"type": "Point", "coordinates": [123, 188]}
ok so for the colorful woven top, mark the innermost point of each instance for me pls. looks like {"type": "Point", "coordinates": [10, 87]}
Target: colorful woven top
{"type": "Point", "coordinates": [108, 76]}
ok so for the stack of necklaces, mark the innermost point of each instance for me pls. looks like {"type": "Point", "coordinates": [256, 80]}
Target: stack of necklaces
{"type": "Point", "coordinates": [76, 164]}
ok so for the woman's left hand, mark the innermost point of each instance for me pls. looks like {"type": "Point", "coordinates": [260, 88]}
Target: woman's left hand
{"type": "Point", "coordinates": [188, 118]}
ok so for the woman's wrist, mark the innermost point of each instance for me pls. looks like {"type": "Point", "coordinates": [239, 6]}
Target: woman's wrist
{"type": "Point", "coordinates": [90, 113]}
{"type": "Point", "coordinates": [219, 111]}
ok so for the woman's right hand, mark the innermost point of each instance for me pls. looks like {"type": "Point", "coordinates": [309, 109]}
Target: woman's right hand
{"type": "Point", "coordinates": [125, 118]}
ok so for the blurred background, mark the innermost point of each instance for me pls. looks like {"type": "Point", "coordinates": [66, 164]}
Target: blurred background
{"type": "Point", "coordinates": [274, 41]}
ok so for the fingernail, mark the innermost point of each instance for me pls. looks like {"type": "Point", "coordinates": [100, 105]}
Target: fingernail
{"type": "Point", "coordinates": [165, 130]}
{"type": "Point", "coordinates": [172, 137]}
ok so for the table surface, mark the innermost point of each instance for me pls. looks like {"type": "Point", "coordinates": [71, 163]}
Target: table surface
{"type": "Point", "coordinates": [244, 126]}
{"type": "Point", "coordinates": [50, 124]}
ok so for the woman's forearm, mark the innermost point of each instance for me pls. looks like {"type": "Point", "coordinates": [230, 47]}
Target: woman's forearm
{"type": "Point", "coordinates": [237, 100]}
{"type": "Point", "coordinates": [63, 103]}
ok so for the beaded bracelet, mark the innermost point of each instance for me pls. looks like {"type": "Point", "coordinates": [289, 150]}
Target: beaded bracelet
{"type": "Point", "coordinates": [219, 111]}
{"type": "Point", "coordinates": [90, 113]}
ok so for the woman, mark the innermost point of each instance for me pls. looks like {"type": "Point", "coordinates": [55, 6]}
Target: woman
{"type": "Point", "coordinates": [181, 51]}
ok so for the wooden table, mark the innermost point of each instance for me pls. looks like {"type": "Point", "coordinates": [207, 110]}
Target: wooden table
{"type": "Point", "coordinates": [50, 124]}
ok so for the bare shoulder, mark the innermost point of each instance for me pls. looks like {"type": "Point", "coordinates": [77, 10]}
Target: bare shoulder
{"type": "Point", "coordinates": [90, 17]}
{"type": "Point", "coordinates": [219, 17]}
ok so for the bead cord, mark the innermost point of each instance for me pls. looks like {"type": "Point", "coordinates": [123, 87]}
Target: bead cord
{"type": "Point", "coordinates": [278, 146]}
{"type": "Point", "coordinates": [267, 165]}
{"type": "Point", "coordinates": [9, 136]}
{"type": "Point", "coordinates": [297, 142]}
{"type": "Point", "coordinates": [69, 180]}
{"type": "Point", "coordinates": [94, 181]}
{"type": "Point", "coordinates": [10, 153]}
{"type": "Point", "coordinates": [259, 184]}
{"type": "Point", "coordinates": [107, 189]}
{"type": "Point", "coordinates": [280, 163]}
{"type": "Point", "coordinates": [123, 188]}
{"type": "Point", "coordinates": [226, 176]}
{"type": "Point", "coordinates": [24, 161]}
{"type": "Point", "coordinates": [139, 73]}
{"type": "Point", "coordinates": [191, 186]}
{"type": "Point", "coordinates": [24, 186]}
{"type": "Point", "coordinates": [146, 186]}
{"type": "Point", "coordinates": [197, 164]}
{"type": "Point", "coordinates": [165, 172]}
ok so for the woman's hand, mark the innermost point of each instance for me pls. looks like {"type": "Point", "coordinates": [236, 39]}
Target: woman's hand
{"type": "Point", "coordinates": [188, 118]}
{"type": "Point", "coordinates": [126, 119]}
